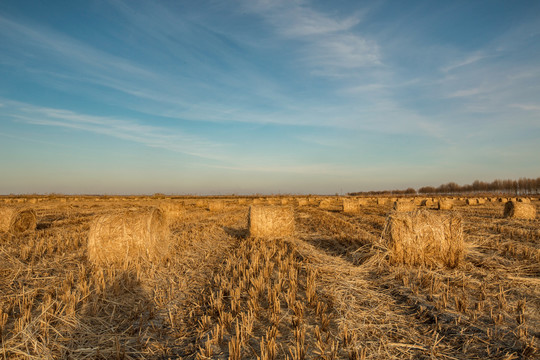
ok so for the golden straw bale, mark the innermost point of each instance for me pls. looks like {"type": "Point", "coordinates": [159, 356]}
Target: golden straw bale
{"type": "Point", "coordinates": [284, 201]}
{"type": "Point", "coordinates": [403, 206]}
{"type": "Point", "coordinates": [481, 201]}
{"type": "Point", "coordinates": [519, 210]}
{"type": "Point", "coordinates": [381, 201]}
{"type": "Point", "coordinates": [270, 221]}
{"type": "Point", "coordinates": [129, 237]}
{"type": "Point", "coordinates": [362, 201]}
{"type": "Point", "coordinates": [471, 201]}
{"type": "Point", "coordinates": [32, 201]}
{"type": "Point", "coordinates": [524, 200]}
{"type": "Point", "coordinates": [426, 202]}
{"type": "Point", "coordinates": [351, 205]}
{"type": "Point", "coordinates": [302, 202]}
{"type": "Point", "coordinates": [172, 209]}
{"type": "Point", "coordinates": [200, 203]}
{"type": "Point", "coordinates": [216, 205]}
{"type": "Point", "coordinates": [424, 238]}
{"type": "Point", "coordinates": [445, 204]}
{"type": "Point", "coordinates": [17, 220]}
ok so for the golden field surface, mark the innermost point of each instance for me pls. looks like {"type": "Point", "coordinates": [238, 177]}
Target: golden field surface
{"type": "Point", "coordinates": [326, 291]}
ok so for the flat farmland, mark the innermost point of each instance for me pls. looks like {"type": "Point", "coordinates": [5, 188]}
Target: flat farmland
{"type": "Point", "coordinates": [326, 290]}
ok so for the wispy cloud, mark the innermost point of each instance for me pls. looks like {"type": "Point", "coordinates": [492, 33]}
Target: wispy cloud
{"type": "Point", "coordinates": [125, 129]}
{"type": "Point", "coordinates": [526, 107]}
{"type": "Point", "coordinates": [471, 59]}
{"type": "Point", "coordinates": [330, 44]}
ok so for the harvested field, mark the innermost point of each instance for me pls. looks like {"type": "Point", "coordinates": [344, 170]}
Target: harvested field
{"type": "Point", "coordinates": [325, 288]}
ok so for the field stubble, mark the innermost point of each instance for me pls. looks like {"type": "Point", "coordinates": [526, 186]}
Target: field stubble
{"type": "Point", "coordinates": [327, 292]}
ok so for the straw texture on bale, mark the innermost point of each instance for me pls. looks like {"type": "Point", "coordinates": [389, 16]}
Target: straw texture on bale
{"type": "Point", "coordinates": [524, 200]}
{"type": "Point", "coordinates": [270, 221]}
{"type": "Point", "coordinates": [445, 204]}
{"type": "Point", "coordinates": [471, 201]}
{"type": "Point", "coordinates": [381, 201]}
{"type": "Point", "coordinates": [129, 237]}
{"type": "Point", "coordinates": [216, 205]}
{"type": "Point", "coordinates": [351, 205]}
{"type": "Point", "coordinates": [302, 202]}
{"type": "Point", "coordinates": [425, 202]}
{"type": "Point", "coordinates": [171, 209]}
{"type": "Point", "coordinates": [481, 201]}
{"type": "Point", "coordinates": [16, 221]}
{"type": "Point", "coordinates": [519, 210]}
{"type": "Point", "coordinates": [404, 206]}
{"type": "Point", "coordinates": [423, 238]}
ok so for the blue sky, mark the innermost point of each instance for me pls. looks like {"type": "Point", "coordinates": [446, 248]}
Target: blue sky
{"type": "Point", "coordinates": [215, 97]}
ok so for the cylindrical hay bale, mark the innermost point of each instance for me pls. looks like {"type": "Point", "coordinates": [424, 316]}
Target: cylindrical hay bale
{"type": "Point", "coordinates": [425, 202]}
{"type": "Point", "coordinates": [445, 204]}
{"type": "Point", "coordinates": [302, 202]}
{"type": "Point", "coordinates": [381, 201]}
{"type": "Point", "coordinates": [171, 209]}
{"type": "Point", "coordinates": [471, 201]}
{"type": "Point", "coordinates": [518, 210]}
{"type": "Point", "coordinates": [16, 221]}
{"type": "Point", "coordinates": [270, 221]}
{"type": "Point", "coordinates": [284, 201]}
{"type": "Point", "coordinates": [481, 201]}
{"type": "Point", "coordinates": [351, 205]}
{"type": "Point", "coordinates": [524, 200]}
{"type": "Point", "coordinates": [424, 238]}
{"type": "Point", "coordinates": [128, 237]}
{"type": "Point", "coordinates": [404, 206]}
{"type": "Point", "coordinates": [216, 205]}
{"type": "Point", "coordinates": [32, 201]}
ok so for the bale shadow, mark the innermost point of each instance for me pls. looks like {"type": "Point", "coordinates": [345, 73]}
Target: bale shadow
{"type": "Point", "coordinates": [118, 319]}
{"type": "Point", "coordinates": [236, 233]}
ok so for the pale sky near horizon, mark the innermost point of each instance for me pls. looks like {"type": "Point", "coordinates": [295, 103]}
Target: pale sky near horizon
{"type": "Point", "coordinates": [217, 97]}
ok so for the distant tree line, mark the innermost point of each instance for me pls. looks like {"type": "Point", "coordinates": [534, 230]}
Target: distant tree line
{"type": "Point", "coordinates": [523, 186]}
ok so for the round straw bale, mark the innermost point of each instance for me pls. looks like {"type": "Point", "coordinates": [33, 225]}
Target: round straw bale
{"type": "Point", "coordinates": [270, 221]}
{"type": "Point", "coordinates": [424, 238]}
{"type": "Point", "coordinates": [216, 205]}
{"type": "Point", "coordinates": [129, 237]}
{"type": "Point", "coordinates": [445, 204]}
{"type": "Point", "coordinates": [17, 220]}
{"type": "Point", "coordinates": [351, 205]}
{"type": "Point", "coordinates": [524, 200]}
{"type": "Point", "coordinates": [403, 206]}
{"type": "Point", "coordinates": [362, 201]}
{"type": "Point", "coordinates": [302, 202]}
{"type": "Point", "coordinates": [284, 201]}
{"type": "Point", "coordinates": [519, 210]}
{"type": "Point", "coordinates": [471, 201]}
{"type": "Point", "coordinates": [426, 202]}
{"type": "Point", "coordinates": [381, 201]}
{"type": "Point", "coordinates": [172, 209]}
{"type": "Point", "coordinates": [481, 201]}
